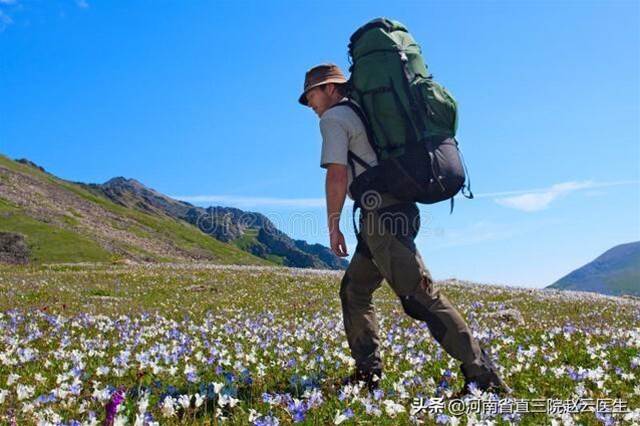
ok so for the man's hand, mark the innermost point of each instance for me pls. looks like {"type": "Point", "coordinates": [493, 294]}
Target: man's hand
{"type": "Point", "coordinates": [338, 245]}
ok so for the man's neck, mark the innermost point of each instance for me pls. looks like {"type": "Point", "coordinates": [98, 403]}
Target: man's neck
{"type": "Point", "coordinates": [337, 101]}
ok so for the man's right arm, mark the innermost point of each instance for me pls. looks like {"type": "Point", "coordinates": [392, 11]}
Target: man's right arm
{"type": "Point", "coordinates": [335, 149]}
{"type": "Point", "coordinates": [336, 192]}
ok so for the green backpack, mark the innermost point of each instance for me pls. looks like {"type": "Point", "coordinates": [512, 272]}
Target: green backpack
{"type": "Point", "coordinates": [411, 120]}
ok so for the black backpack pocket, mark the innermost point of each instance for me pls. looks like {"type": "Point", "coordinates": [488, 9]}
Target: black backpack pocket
{"type": "Point", "coordinates": [419, 175]}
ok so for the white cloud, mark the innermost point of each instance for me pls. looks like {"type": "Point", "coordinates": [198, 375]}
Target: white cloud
{"type": "Point", "coordinates": [5, 20]}
{"type": "Point", "coordinates": [539, 199]}
{"type": "Point", "coordinates": [475, 233]}
{"type": "Point", "coordinates": [82, 4]}
{"type": "Point", "coordinates": [528, 200]}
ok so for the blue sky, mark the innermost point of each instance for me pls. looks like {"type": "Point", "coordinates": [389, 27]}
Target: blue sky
{"type": "Point", "coordinates": [198, 100]}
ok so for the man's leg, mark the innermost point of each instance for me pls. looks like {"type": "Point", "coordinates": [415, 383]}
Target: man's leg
{"type": "Point", "coordinates": [390, 239]}
{"type": "Point", "coordinates": [359, 282]}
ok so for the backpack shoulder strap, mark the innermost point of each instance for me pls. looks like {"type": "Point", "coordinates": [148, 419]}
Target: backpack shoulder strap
{"type": "Point", "coordinates": [365, 122]}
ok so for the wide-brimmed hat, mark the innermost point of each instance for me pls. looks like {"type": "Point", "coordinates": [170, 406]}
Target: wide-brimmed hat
{"type": "Point", "coordinates": [319, 75]}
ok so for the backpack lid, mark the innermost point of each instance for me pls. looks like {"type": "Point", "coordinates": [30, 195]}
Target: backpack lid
{"type": "Point", "coordinates": [386, 24]}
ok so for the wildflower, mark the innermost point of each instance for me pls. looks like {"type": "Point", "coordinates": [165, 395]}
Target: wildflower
{"type": "Point", "coordinates": [102, 371]}
{"type": "Point", "coordinates": [442, 419]}
{"type": "Point", "coordinates": [377, 394]}
{"type": "Point", "coordinates": [121, 420]}
{"type": "Point", "coordinates": [116, 399]}
{"type": "Point", "coordinates": [199, 400]}
{"type": "Point", "coordinates": [266, 421]}
{"type": "Point", "coordinates": [341, 417]}
{"type": "Point", "coordinates": [190, 372]}
{"type": "Point", "coordinates": [632, 416]}
{"type": "Point", "coordinates": [227, 400]}
{"type": "Point", "coordinates": [392, 408]}
{"type": "Point", "coordinates": [12, 378]}
{"type": "Point", "coordinates": [314, 398]}
{"type": "Point", "coordinates": [217, 387]}
{"type": "Point", "coordinates": [168, 406]}
{"type": "Point", "coordinates": [372, 408]}
{"type": "Point", "coordinates": [92, 421]}
{"type": "Point", "coordinates": [24, 391]}
{"type": "Point", "coordinates": [297, 409]}
{"type": "Point", "coordinates": [185, 401]}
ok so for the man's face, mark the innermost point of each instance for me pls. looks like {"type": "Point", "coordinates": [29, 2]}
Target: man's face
{"type": "Point", "coordinates": [320, 98]}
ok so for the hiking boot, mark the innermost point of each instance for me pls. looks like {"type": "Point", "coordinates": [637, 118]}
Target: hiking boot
{"type": "Point", "coordinates": [370, 377]}
{"type": "Point", "coordinates": [487, 381]}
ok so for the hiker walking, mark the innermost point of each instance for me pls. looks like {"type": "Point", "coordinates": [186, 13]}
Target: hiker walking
{"type": "Point", "coordinates": [388, 224]}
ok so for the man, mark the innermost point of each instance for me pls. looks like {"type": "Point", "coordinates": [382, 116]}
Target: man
{"type": "Point", "coordinates": [385, 248]}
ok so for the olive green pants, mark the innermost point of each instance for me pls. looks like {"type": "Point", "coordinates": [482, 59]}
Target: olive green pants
{"type": "Point", "coordinates": [386, 250]}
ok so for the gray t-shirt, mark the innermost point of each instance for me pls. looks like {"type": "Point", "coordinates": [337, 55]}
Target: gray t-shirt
{"type": "Point", "coordinates": [343, 131]}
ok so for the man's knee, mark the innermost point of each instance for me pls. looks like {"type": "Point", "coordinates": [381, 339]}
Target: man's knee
{"type": "Point", "coordinates": [417, 306]}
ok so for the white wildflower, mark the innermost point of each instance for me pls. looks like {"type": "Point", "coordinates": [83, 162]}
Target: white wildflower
{"type": "Point", "coordinates": [339, 418]}
{"type": "Point", "coordinates": [199, 400]}
{"type": "Point", "coordinates": [185, 401]}
{"type": "Point", "coordinates": [168, 407]}
{"type": "Point", "coordinates": [392, 408]}
{"type": "Point", "coordinates": [24, 391]}
{"type": "Point", "coordinates": [121, 420]}
{"type": "Point", "coordinates": [12, 379]}
{"type": "Point", "coordinates": [227, 400]}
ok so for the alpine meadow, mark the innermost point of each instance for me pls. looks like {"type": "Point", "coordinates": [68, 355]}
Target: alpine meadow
{"type": "Point", "coordinates": [319, 213]}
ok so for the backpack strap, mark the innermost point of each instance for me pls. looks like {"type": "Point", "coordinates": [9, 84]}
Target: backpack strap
{"type": "Point", "coordinates": [466, 188]}
{"type": "Point", "coordinates": [365, 122]}
{"type": "Point", "coordinates": [353, 158]}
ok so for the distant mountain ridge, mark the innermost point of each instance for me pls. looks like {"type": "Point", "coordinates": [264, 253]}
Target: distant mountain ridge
{"type": "Point", "coordinates": [63, 221]}
{"type": "Point", "coordinates": [616, 272]}
{"type": "Point", "coordinates": [250, 231]}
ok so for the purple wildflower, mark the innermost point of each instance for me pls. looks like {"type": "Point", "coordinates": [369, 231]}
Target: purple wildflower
{"type": "Point", "coordinates": [112, 406]}
{"type": "Point", "coordinates": [266, 421]}
{"type": "Point", "coordinates": [605, 418]}
{"type": "Point", "coordinates": [442, 419]}
{"type": "Point", "coordinates": [298, 410]}
{"type": "Point", "coordinates": [377, 394]}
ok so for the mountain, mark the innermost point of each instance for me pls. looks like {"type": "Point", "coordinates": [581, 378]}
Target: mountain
{"type": "Point", "coordinates": [249, 231]}
{"type": "Point", "coordinates": [63, 221]}
{"type": "Point", "coordinates": [616, 272]}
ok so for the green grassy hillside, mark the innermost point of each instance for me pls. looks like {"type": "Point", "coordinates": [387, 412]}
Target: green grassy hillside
{"type": "Point", "coordinates": [615, 272]}
{"type": "Point", "coordinates": [64, 222]}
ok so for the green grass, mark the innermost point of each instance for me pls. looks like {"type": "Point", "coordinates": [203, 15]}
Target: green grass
{"type": "Point", "coordinates": [50, 243]}
{"type": "Point", "coordinates": [248, 240]}
{"type": "Point", "coordinates": [237, 310]}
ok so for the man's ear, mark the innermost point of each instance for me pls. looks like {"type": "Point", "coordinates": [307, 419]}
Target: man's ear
{"type": "Point", "coordinates": [329, 89]}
